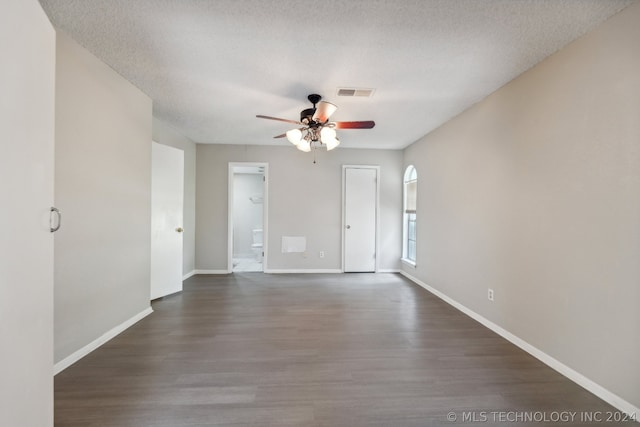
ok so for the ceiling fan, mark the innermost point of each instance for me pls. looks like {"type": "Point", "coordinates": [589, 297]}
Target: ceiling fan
{"type": "Point", "coordinates": [316, 127]}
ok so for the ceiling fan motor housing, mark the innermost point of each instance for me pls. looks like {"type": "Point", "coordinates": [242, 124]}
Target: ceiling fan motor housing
{"type": "Point", "coordinates": [306, 116]}
{"type": "Point", "coordinates": [314, 98]}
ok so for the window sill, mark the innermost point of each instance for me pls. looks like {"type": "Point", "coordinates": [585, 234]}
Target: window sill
{"type": "Point", "coordinates": [408, 262]}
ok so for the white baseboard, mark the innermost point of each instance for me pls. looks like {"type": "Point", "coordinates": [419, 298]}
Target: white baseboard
{"type": "Point", "coordinates": [604, 394]}
{"type": "Point", "coordinates": [303, 271]}
{"type": "Point", "coordinates": [284, 271]}
{"type": "Point", "coordinates": [211, 272]}
{"type": "Point", "coordinates": [79, 354]}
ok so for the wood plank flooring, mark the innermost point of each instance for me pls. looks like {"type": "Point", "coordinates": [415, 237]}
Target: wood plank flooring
{"type": "Point", "coordinates": [251, 349]}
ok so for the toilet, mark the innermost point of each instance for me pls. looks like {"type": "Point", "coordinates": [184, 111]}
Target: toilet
{"type": "Point", "coordinates": [256, 245]}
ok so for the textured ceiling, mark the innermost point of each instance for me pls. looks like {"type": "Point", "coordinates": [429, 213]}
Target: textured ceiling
{"type": "Point", "coordinates": [211, 66]}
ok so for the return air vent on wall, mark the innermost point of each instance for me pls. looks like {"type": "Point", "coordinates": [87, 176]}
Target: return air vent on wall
{"type": "Point", "coordinates": [366, 93]}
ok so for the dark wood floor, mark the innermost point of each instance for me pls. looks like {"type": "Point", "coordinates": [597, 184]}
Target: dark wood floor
{"type": "Point", "coordinates": [311, 350]}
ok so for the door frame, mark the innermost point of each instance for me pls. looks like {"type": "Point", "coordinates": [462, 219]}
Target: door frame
{"type": "Point", "coordinates": [265, 213]}
{"type": "Point", "coordinates": [344, 213]}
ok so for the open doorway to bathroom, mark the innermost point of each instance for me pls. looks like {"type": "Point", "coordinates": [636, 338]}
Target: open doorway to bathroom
{"type": "Point", "coordinates": [247, 216]}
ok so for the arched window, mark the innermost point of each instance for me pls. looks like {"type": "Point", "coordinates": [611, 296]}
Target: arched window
{"type": "Point", "coordinates": [409, 215]}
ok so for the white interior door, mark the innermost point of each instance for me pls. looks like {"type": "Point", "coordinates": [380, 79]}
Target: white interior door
{"type": "Point", "coordinates": [167, 194]}
{"type": "Point", "coordinates": [360, 209]}
{"type": "Point", "coordinates": [27, 84]}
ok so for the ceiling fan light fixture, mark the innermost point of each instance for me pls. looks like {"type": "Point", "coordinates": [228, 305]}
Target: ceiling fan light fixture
{"type": "Point", "coordinates": [328, 138]}
{"type": "Point", "coordinates": [304, 145]}
{"type": "Point", "coordinates": [327, 133]}
{"type": "Point", "coordinates": [331, 144]}
{"type": "Point", "coordinates": [294, 136]}
{"type": "Point", "coordinates": [324, 111]}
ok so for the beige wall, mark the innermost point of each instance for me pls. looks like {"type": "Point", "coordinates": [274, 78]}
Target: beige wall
{"type": "Point", "coordinates": [165, 134]}
{"type": "Point", "coordinates": [27, 84]}
{"type": "Point", "coordinates": [535, 193]}
{"type": "Point", "coordinates": [305, 199]}
{"type": "Point", "coordinates": [103, 188]}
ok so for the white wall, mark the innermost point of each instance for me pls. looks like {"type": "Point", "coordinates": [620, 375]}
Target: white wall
{"type": "Point", "coordinates": [103, 186]}
{"type": "Point", "coordinates": [247, 215]}
{"type": "Point", "coordinates": [27, 83]}
{"type": "Point", "coordinates": [304, 200]}
{"type": "Point", "coordinates": [535, 193]}
{"type": "Point", "coordinates": [165, 134]}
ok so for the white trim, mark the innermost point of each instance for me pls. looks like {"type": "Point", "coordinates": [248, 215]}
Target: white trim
{"type": "Point", "coordinates": [344, 193]}
{"type": "Point", "coordinates": [211, 271]}
{"type": "Point", "coordinates": [189, 274]}
{"type": "Point", "coordinates": [408, 262]}
{"type": "Point", "coordinates": [555, 364]}
{"type": "Point", "coordinates": [303, 271]}
{"type": "Point", "coordinates": [107, 336]}
{"type": "Point", "coordinates": [405, 230]}
{"type": "Point", "coordinates": [265, 214]}
{"type": "Point", "coordinates": [287, 271]}
{"type": "Point", "coordinates": [230, 189]}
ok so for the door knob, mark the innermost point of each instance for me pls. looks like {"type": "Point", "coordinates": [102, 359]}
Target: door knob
{"type": "Point", "coordinates": [54, 212]}
{"type": "Point", "coordinates": [179, 229]}
{"type": "Point", "coordinates": [348, 227]}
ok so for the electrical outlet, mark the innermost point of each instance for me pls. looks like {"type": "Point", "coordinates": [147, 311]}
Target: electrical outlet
{"type": "Point", "coordinates": [321, 254]}
{"type": "Point", "coordinates": [490, 294]}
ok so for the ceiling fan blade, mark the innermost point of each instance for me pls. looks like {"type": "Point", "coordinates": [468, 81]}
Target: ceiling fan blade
{"type": "Point", "coordinates": [276, 118]}
{"type": "Point", "coordinates": [324, 110]}
{"type": "Point", "coordinates": [368, 124]}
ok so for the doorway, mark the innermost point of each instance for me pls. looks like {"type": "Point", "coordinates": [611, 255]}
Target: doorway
{"type": "Point", "coordinates": [360, 218]}
{"type": "Point", "coordinates": [247, 217]}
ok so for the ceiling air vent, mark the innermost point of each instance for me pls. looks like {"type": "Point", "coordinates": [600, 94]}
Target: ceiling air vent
{"type": "Point", "coordinates": [365, 93]}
